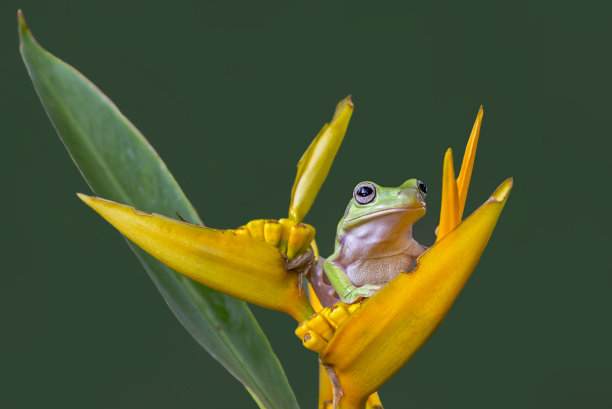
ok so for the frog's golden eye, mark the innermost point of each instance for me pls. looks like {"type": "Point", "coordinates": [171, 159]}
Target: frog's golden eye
{"type": "Point", "coordinates": [422, 188]}
{"type": "Point", "coordinates": [364, 193]}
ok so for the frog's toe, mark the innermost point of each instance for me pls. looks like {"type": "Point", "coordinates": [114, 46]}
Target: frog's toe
{"type": "Point", "coordinates": [367, 290]}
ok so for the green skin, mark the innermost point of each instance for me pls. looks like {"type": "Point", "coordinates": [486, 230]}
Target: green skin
{"type": "Point", "coordinates": [374, 239]}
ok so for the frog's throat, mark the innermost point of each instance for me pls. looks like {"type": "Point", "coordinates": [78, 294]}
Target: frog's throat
{"type": "Point", "coordinates": [385, 211]}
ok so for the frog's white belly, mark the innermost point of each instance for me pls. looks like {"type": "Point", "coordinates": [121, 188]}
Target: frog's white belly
{"type": "Point", "coordinates": [379, 270]}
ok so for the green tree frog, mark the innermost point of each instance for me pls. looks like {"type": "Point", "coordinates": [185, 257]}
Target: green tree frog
{"type": "Point", "coordinates": [373, 242]}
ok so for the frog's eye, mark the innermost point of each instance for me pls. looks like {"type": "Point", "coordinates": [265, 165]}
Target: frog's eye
{"type": "Point", "coordinates": [422, 188]}
{"type": "Point", "coordinates": [364, 193]}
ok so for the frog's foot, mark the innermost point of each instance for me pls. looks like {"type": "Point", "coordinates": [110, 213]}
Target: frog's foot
{"type": "Point", "coordinates": [301, 265]}
{"type": "Point", "coordinates": [365, 291]}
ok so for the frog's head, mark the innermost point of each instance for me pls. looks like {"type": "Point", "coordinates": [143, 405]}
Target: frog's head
{"type": "Point", "coordinates": [373, 202]}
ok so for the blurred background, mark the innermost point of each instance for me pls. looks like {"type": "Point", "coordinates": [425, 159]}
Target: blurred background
{"type": "Point", "coordinates": [230, 94]}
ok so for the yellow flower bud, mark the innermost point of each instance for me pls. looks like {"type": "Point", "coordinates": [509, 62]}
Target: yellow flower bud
{"type": "Point", "coordinates": [272, 232]}
{"type": "Point", "coordinates": [314, 341]}
{"type": "Point", "coordinates": [317, 160]}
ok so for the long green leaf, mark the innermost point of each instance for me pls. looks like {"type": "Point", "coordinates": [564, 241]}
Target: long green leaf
{"type": "Point", "coordinates": [119, 164]}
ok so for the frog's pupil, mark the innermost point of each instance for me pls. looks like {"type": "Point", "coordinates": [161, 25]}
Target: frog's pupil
{"type": "Point", "coordinates": [423, 187]}
{"type": "Point", "coordinates": [364, 191]}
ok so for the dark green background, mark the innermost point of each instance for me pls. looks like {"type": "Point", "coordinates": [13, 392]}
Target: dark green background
{"type": "Point", "coordinates": [231, 94]}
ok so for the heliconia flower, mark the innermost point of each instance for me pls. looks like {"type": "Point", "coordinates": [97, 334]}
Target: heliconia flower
{"type": "Point", "coordinates": [360, 345]}
{"type": "Point", "coordinates": [374, 340]}
{"type": "Point", "coordinates": [261, 262]}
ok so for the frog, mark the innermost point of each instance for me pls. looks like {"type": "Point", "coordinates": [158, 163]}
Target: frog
{"type": "Point", "coordinates": [373, 242]}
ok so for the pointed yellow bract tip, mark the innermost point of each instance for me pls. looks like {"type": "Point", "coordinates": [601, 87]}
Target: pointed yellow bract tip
{"type": "Point", "coordinates": [317, 160]}
{"type": "Point", "coordinates": [502, 192]}
{"type": "Point", "coordinates": [85, 198]}
{"type": "Point", "coordinates": [374, 402]}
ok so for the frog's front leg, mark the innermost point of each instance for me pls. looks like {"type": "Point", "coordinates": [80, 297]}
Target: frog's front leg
{"type": "Point", "coordinates": [347, 291]}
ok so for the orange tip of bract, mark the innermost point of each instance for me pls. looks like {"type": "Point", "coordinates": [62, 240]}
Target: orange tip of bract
{"type": "Point", "coordinates": [463, 180]}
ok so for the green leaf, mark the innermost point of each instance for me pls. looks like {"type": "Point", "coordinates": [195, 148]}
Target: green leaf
{"type": "Point", "coordinates": [119, 164]}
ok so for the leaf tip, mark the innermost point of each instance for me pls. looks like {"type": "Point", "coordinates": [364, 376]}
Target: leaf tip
{"type": "Point", "coordinates": [23, 27]}
{"type": "Point", "coordinates": [25, 35]}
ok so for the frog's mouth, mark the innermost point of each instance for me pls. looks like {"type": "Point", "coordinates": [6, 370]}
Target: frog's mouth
{"type": "Point", "coordinates": [386, 211]}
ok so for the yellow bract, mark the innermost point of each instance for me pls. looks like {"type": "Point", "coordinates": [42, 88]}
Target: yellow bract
{"type": "Point", "coordinates": [317, 160]}
{"type": "Point", "coordinates": [378, 339]}
{"type": "Point", "coordinates": [237, 264]}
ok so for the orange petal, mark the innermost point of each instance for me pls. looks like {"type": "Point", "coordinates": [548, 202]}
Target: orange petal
{"type": "Point", "coordinates": [463, 181]}
{"type": "Point", "coordinates": [449, 210]}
